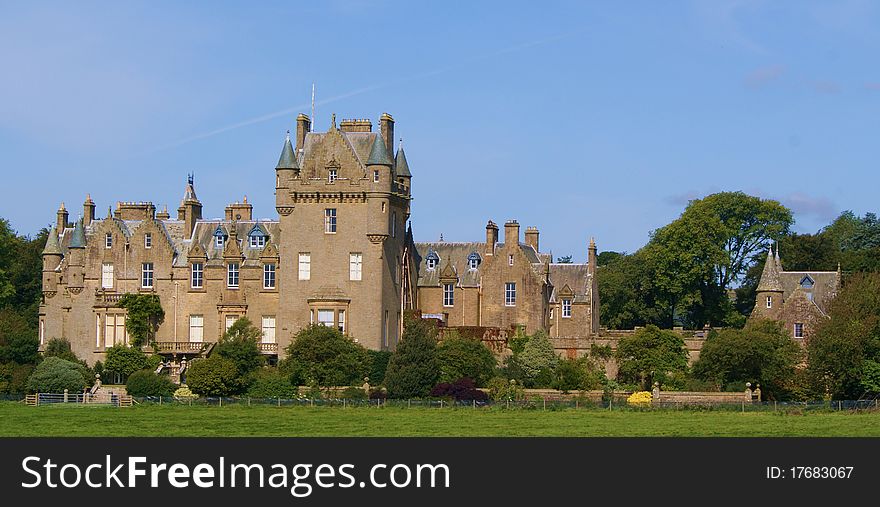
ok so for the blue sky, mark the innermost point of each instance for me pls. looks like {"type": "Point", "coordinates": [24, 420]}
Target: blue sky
{"type": "Point", "coordinates": [581, 118]}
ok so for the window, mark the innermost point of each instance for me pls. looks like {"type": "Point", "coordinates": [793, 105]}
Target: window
{"type": "Point", "coordinates": [305, 266]}
{"type": "Point", "coordinates": [474, 260]}
{"type": "Point", "coordinates": [232, 275]}
{"type": "Point", "coordinates": [218, 241]}
{"type": "Point", "coordinates": [148, 240]}
{"type": "Point", "coordinates": [269, 276]}
{"type": "Point", "coordinates": [393, 224]}
{"type": "Point", "coordinates": [769, 301]}
{"type": "Point", "coordinates": [43, 330]}
{"type": "Point", "coordinates": [197, 275]}
{"type": "Point", "coordinates": [325, 318]}
{"type": "Point", "coordinates": [268, 329]}
{"type": "Point", "coordinates": [108, 240]}
{"type": "Point", "coordinates": [448, 294]}
{"type": "Point", "coordinates": [196, 328]}
{"type": "Point", "coordinates": [332, 175]}
{"type": "Point", "coordinates": [114, 329]}
{"type": "Point", "coordinates": [342, 321]}
{"type": "Point", "coordinates": [566, 308]}
{"type": "Point", "coordinates": [510, 294]}
{"type": "Point", "coordinates": [355, 266]}
{"type": "Point", "coordinates": [147, 275]}
{"type": "Point", "coordinates": [230, 320]}
{"type": "Point", "coordinates": [432, 259]}
{"type": "Point", "coordinates": [376, 175]}
{"type": "Point", "coordinates": [107, 275]}
{"type": "Point", "coordinates": [330, 221]}
{"type": "Point", "coordinates": [798, 330]}
{"type": "Point", "coordinates": [510, 260]}
{"type": "Point", "coordinates": [97, 331]}
{"type": "Point", "coordinates": [807, 282]}
{"type": "Point", "coordinates": [219, 237]}
{"type": "Point", "coordinates": [551, 314]}
{"type": "Point", "coordinates": [258, 241]}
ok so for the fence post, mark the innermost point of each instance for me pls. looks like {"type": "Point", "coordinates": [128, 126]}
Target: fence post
{"type": "Point", "coordinates": [575, 404]}
{"type": "Point", "coordinates": [65, 396]}
{"type": "Point", "coordinates": [475, 403]}
{"type": "Point", "coordinates": [743, 406]}
{"type": "Point", "coordinates": [408, 403]}
{"type": "Point", "coordinates": [221, 401]}
{"type": "Point", "coordinates": [545, 403]}
{"type": "Point", "coordinates": [160, 399]}
{"type": "Point", "coordinates": [279, 401]}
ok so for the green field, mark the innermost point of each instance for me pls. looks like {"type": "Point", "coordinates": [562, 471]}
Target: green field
{"type": "Point", "coordinates": [168, 420]}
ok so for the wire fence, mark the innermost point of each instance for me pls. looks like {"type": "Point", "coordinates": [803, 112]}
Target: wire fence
{"type": "Point", "coordinates": [533, 403]}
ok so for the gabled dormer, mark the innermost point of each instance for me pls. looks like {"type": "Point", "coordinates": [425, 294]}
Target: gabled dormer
{"type": "Point", "coordinates": [257, 237]}
{"type": "Point", "coordinates": [220, 237]}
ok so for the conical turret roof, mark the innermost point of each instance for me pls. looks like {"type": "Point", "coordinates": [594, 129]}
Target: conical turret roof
{"type": "Point", "coordinates": [53, 247]}
{"type": "Point", "coordinates": [400, 165]}
{"type": "Point", "coordinates": [78, 238]}
{"type": "Point", "coordinates": [378, 153]}
{"type": "Point", "coordinates": [288, 157]}
{"type": "Point", "coordinates": [770, 281]}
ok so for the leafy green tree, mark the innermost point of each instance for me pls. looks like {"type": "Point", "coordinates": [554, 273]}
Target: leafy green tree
{"type": "Point", "coordinates": [240, 343]}
{"type": "Point", "coordinates": [413, 370]}
{"type": "Point", "coordinates": [537, 361]}
{"type": "Point", "coordinates": [122, 360]}
{"type": "Point", "coordinates": [652, 355]}
{"type": "Point", "coordinates": [54, 375]}
{"type": "Point", "coordinates": [271, 383]}
{"type": "Point", "coordinates": [762, 353]}
{"type": "Point", "coordinates": [838, 351]}
{"type": "Point", "coordinates": [323, 355]}
{"type": "Point", "coordinates": [577, 375]}
{"type": "Point", "coordinates": [606, 258]}
{"type": "Point", "coordinates": [565, 259]}
{"type": "Point", "coordinates": [144, 315]}
{"type": "Point", "coordinates": [871, 376]}
{"type": "Point", "coordinates": [18, 341]}
{"type": "Point", "coordinates": [60, 347]}
{"type": "Point", "coordinates": [459, 357]}
{"type": "Point", "coordinates": [147, 383]}
{"type": "Point", "coordinates": [378, 365]}
{"type": "Point", "coordinates": [214, 376]}
{"type": "Point", "coordinates": [626, 292]}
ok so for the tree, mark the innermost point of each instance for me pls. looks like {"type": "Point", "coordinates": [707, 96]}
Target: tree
{"type": "Point", "coordinates": [626, 292]}
{"type": "Point", "coordinates": [378, 365]}
{"type": "Point", "coordinates": [144, 314]}
{"type": "Point", "coordinates": [565, 259]}
{"type": "Point", "coordinates": [147, 383]}
{"type": "Point", "coordinates": [577, 375]}
{"type": "Point", "coordinates": [60, 347]}
{"type": "Point", "coordinates": [214, 376]}
{"type": "Point", "coordinates": [54, 375]}
{"type": "Point", "coordinates": [413, 369]}
{"type": "Point", "coordinates": [761, 353]}
{"type": "Point", "coordinates": [240, 344]}
{"type": "Point", "coordinates": [459, 357]}
{"type": "Point", "coordinates": [838, 352]}
{"type": "Point", "coordinates": [652, 355]}
{"type": "Point", "coordinates": [323, 355]}
{"type": "Point", "coordinates": [123, 361]}
{"type": "Point", "coordinates": [18, 341]}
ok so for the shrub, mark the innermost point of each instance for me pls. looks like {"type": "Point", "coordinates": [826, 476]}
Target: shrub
{"type": "Point", "coordinates": [214, 376]}
{"type": "Point", "coordinates": [377, 393]}
{"type": "Point", "coordinates": [54, 375]}
{"type": "Point", "coordinates": [533, 367]}
{"type": "Point", "coordinates": [270, 383]}
{"type": "Point", "coordinates": [13, 377]}
{"type": "Point", "coordinates": [378, 365]}
{"type": "Point", "coordinates": [650, 355]}
{"type": "Point", "coordinates": [123, 360]}
{"type": "Point", "coordinates": [147, 383]}
{"type": "Point", "coordinates": [323, 355]}
{"type": "Point", "coordinates": [353, 393]}
{"type": "Point", "coordinates": [462, 389]}
{"type": "Point", "coordinates": [501, 389]}
{"type": "Point", "coordinates": [240, 344]}
{"type": "Point", "coordinates": [459, 357]}
{"type": "Point", "coordinates": [639, 399]}
{"type": "Point", "coordinates": [412, 370]}
{"type": "Point", "coordinates": [577, 375]}
{"type": "Point", "coordinates": [183, 393]}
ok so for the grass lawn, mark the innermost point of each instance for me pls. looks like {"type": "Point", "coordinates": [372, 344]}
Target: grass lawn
{"type": "Point", "coordinates": [18, 420]}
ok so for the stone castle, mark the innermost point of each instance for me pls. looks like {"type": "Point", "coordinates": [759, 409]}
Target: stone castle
{"type": "Point", "coordinates": [339, 254]}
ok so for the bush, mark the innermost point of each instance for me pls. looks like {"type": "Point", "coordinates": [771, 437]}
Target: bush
{"type": "Point", "coordinates": [147, 383]}
{"type": "Point", "coordinates": [240, 344]}
{"type": "Point", "coordinates": [379, 365]}
{"type": "Point", "coordinates": [13, 377]}
{"type": "Point", "coordinates": [501, 389]}
{"type": "Point", "coordinates": [640, 399]}
{"type": "Point", "coordinates": [462, 389]}
{"type": "Point", "coordinates": [270, 383]}
{"type": "Point", "coordinates": [214, 376]}
{"type": "Point", "coordinates": [652, 355]}
{"type": "Point", "coordinates": [353, 393]}
{"type": "Point", "coordinates": [123, 360]}
{"type": "Point", "coordinates": [412, 370]}
{"type": "Point", "coordinates": [323, 355]}
{"type": "Point", "coordinates": [184, 393]}
{"type": "Point", "coordinates": [577, 375]}
{"type": "Point", "coordinates": [459, 357]}
{"type": "Point", "coordinates": [377, 393]}
{"type": "Point", "coordinates": [54, 375]}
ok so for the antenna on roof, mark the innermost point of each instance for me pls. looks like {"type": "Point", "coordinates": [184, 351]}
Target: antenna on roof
{"type": "Point", "coordinates": [313, 102]}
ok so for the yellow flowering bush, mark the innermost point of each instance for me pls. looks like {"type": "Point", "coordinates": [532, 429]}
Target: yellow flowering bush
{"type": "Point", "coordinates": [183, 393]}
{"type": "Point", "coordinates": [639, 399]}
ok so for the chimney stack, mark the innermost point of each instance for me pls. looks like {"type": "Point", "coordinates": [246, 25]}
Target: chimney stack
{"type": "Point", "coordinates": [303, 126]}
{"type": "Point", "coordinates": [532, 237]}
{"type": "Point", "coordinates": [511, 232]}
{"type": "Point", "coordinates": [386, 130]}
{"type": "Point", "coordinates": [62, 222]}
{"type": "Point", "coordinates": [491, 237]}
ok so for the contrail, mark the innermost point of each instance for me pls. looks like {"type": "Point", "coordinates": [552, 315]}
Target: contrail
{"type": "Point", "coordinates": [359, 91]}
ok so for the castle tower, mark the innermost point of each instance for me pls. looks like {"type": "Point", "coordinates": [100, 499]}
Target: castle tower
{"type": "Point", "coordinates": [51, 260]}
{"type": "Point", "coordinates": [190, 209]}
{"type": "Point", "coordinates": [77, 259]}
{"type": "Point", "coordinates": [342, 219]}
{"type": "Point", "coordinates": [401, 170]}
{"type": "Point", "coordinates": [768, 300]}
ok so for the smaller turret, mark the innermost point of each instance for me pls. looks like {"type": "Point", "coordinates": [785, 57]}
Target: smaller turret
{"type": "Point", "coordinates": [769, 293]}
{"type": "Point", "coordinates": [51, 260]}
{"type": "Point", "coordinates": [76, 261]}
{"type": "Point", "coordinates": [190, 209]}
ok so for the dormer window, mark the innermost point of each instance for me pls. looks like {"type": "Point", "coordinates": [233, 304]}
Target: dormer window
{"type": "Point", "coordinates": [219, 237]}
{"type": "Point", "coordinates": [332, 175]}
{"type": "Point", "coordinates": [257, 237]}
{"type": "Point", "coordinates": [807, 282]}
{"type": "Point", "coordinates": [432, 260]}
{"type": "Point", "coordinates": [474, 260]}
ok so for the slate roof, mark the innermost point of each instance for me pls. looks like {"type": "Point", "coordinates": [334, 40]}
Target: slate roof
{"type": "Point", "coordinates": [288, 158]}
{"type": "Point", "coordinates": [378, 153]}
{"type": "Point", "coordinates": [825, 285]}
{"type": "Point", "coordinates": [575, 276]}
{"type": "Point", "coordinates": [78, 237]}
{"type": "Point", "coordinates": [53, 247]}
{"type": "Point", "coordinates": [456, 254]}
{"type": "Point", "coordinates": [401, 168]}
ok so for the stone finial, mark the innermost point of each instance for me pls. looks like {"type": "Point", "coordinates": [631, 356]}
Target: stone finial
{"type": "Point", "coordinates": [62, 208]}
{"type": "Point", "coordinates": [333, 121]}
